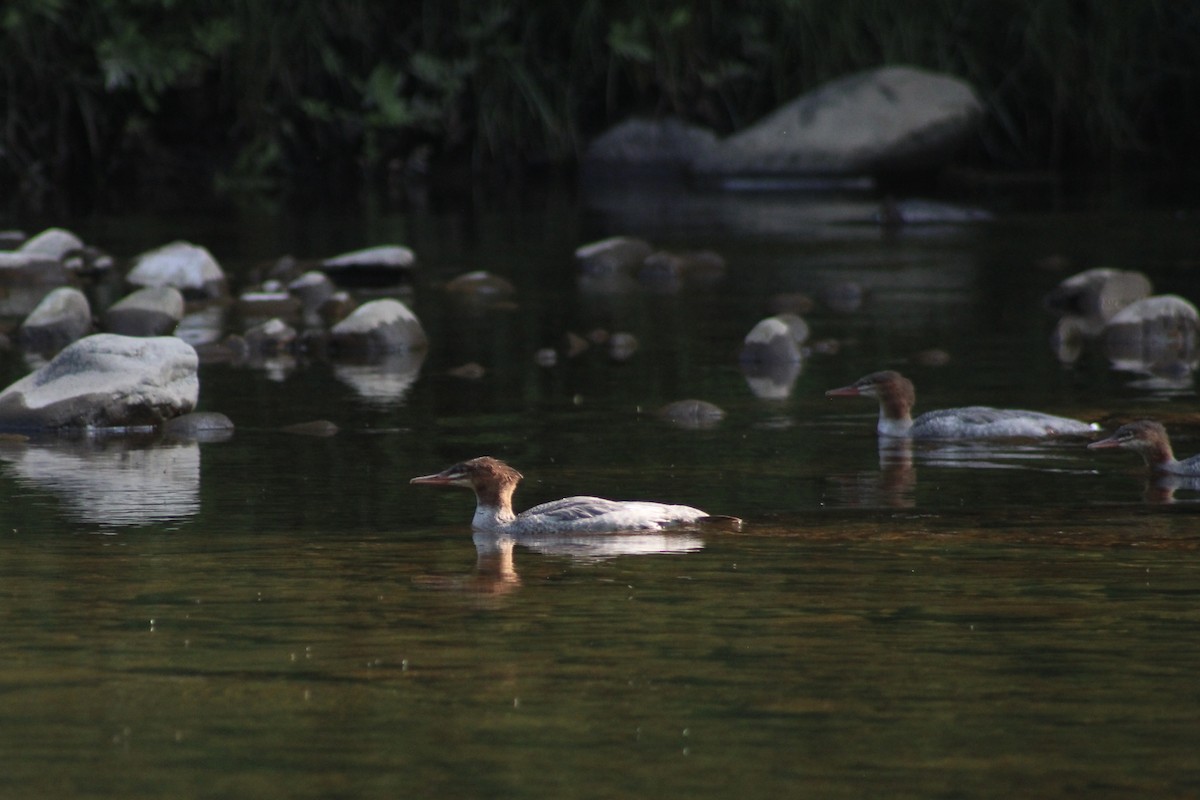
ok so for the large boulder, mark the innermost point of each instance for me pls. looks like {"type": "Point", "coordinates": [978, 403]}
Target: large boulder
{"type": "Point", "coordinates": [105, 381]}
{"type": "Point", "coordinates": [377, 327]}
{"type": "Point", "coordinates": [892, 119]}
{"type": "Point", "coordinates": [153, 311]}
{"type": "Point", "coordinates": [63, 316]}
{"type": "Point", "coordinates": [189, 268]}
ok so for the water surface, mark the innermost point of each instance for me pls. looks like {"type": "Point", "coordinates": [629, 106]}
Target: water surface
{"type": "Point", "coordinates": [284, 616]}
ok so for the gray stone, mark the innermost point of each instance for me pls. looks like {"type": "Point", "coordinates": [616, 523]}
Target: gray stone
{"type": "Point", "coordinates": [380, 326]}
{"type": "Point", "coordinates": [616, 254]}
{"type": "Point", "coordinates": [31, 268]}
{"type": "Point", "coordinates": [266, 304]}
{"type": "Point", "coordinates": [105, 381]}
{"type": "Point", "coordinates": [53, 243]}
{"type": "Point", "coordinates": [189, 268]}
{"type": "Point", "coordinates": [892, 119]}
{"type": "Point", "coordinates": [199, 426]}
{"type": "Point", "coordinates": [59, 319]}
{"type": "Point", "coordinates": [480, 285]}
{"type": "Point", "coordinates": [154, 311]}
{"type": "Point", "coordinates": [666, 145]}
{"type": "Point", "coordinates": [692, 414]}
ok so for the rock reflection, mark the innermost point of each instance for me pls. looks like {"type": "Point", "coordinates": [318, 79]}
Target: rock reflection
{"type": "Point", "coordinates": [382, 381]}
{"type": "Point", "coordinates": [771, 381]}
{"type": "Point", "coordinates": [112, 482]}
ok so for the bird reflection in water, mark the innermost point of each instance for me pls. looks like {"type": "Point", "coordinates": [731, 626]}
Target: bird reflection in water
{"type": "Point", "coordinates": [893, 485]}
{"type": "Point", "coordinates": [495, 575]}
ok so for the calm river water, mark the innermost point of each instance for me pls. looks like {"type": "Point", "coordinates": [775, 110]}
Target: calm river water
{"type": "Point", "coordinates": [285, 616]}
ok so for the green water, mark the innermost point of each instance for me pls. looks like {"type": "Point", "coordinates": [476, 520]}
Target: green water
{"type": "Point", "coordinates": [285, 616]}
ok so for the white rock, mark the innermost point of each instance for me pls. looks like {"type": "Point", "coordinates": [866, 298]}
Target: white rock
{"type": "Point", "coordinates": [387, 255]}
{"type": "Point", "coordinates": [105, 381]}
{"type": "Point", "coordinates": [380, 326]}
{"type": "Point", "coordinates": [60, 318]}
{"type": "Point", "coordinates": [153, 311]}
{"type": "Point", "coordinates": [188, 267]}
{"type": "Point", "coordinates": [53, 243]}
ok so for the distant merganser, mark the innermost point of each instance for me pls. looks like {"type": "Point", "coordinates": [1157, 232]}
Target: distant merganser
{"type": "Point", "coordinates": [897, 396]}
{"type": "Point", "coordinates": [1149, 440]}
{"type": "Point", "coordinates": [494, 483]}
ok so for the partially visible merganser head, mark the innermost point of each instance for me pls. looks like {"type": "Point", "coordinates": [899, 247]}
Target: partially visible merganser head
{"type": "Point", "coordinates": [1145, 437]}
{"type": "Point", "coordinates": [895, 393]}
{"type": "Point", "coordinates": [492, 480]}
{"type": "Point", "coordinates": [482, 471]}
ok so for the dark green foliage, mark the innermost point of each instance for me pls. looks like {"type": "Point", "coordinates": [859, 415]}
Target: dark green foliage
{"type": "Point", "coordinates": [259, 91]}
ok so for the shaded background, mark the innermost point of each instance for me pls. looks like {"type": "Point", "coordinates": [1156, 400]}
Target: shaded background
{"type": "Point", "coordinates": [255, 94]}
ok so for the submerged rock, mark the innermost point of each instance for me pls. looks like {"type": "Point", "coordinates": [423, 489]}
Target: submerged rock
{"type": "Point", "coordinates": [618, 254]}
{"type": "Point", "coordinates": [317, 427]}
{"type": "Point", "coordinates": [692, 414]}
{"type": "Point", "coordinates": [199, 426]}
{"type": "Point", "coordinates": [480, 285]}
{"type": "Point", "coordinates": [189, 268]}
{"type": "Point", "coordinates": [62, 317]}
{"type": "Point", "coordinates": [154, 311]}
{"type": "Point", "coordinates": [891, 119]}
{"type": "Point", "coordinates": [265, 303]}
{"type": "Point", "coordinates": [105, 381]}
{"type": "Point", "coordinates": [380, 326]}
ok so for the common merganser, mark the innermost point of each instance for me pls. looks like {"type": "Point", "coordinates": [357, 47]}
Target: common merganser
{"type": "Point", "coordinates": [1149, 440]}
{"type": "Point", "coordinates": [896, 398]}
{"type": "Point", "coordinates": [494, 483]}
